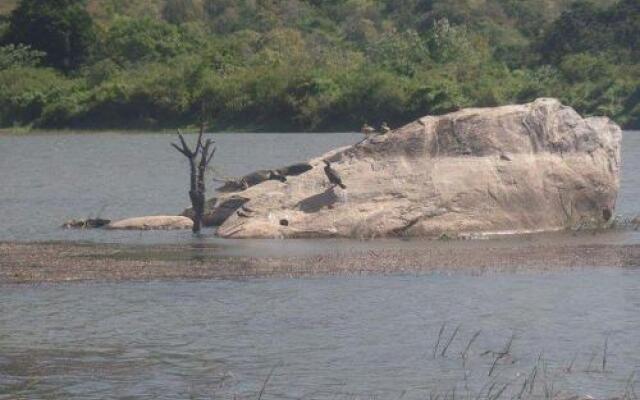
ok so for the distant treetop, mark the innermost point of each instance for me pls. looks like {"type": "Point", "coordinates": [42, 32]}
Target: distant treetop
{"type": "Point", "coordinates": [63, 29]}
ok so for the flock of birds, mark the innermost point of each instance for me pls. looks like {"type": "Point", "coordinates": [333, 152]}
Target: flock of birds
{"type": "Point", "coordinates": [368, 130]}
{"type": "Point", "coordinates": [281, 174]}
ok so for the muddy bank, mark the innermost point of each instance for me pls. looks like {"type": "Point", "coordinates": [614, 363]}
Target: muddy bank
{"type": "Point", "coordinates": [65, 262]}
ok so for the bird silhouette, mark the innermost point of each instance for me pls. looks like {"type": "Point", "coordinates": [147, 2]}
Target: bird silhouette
{"type": "Point", "coordinates": [367, 130]}
{"type": "Point", "coordinates": [333, 176]}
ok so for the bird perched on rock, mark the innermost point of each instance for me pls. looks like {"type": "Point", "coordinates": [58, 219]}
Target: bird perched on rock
{"type": "Point", "coordinates": [333, 176]}
{"type": "Point", "coordinates": [367, 130]}
{"type": "Point", "coordinates": [384, 129]}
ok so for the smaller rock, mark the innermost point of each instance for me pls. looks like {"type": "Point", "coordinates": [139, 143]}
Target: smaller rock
{"type": "Point", "coordinates": [89, 223]}
{"type": "Point", "coordinates": [160, 222]}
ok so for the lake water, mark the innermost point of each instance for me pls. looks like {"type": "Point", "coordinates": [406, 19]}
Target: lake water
{"type": "Point", "coordinates": [48, 179]}
{"type": "Point", "coordinates": [325, 338]}
{"type": "Point", "coordinates": [328, 338]}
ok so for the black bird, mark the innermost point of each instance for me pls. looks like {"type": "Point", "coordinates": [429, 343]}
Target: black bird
{"type": "Point", "coordinates": [333, 175]}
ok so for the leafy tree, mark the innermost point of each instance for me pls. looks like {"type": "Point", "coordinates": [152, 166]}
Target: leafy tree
{"type": "Point", "coordinates": [63, 29]}
{"type": "Point", "coordinates": [19, 56]}
{"type": "Point", "coordinates": [25, 92]}
{"type": "Point", "coordinates": [135, 41]}
{"type": "Point", "coordinates": [584, 27]}
{"type": "Point", "coordinates": [180, 11]}
{"type": "Point", "coordinates": [402, 53]}
{"type": "Point", "coordinates": [313, 64]}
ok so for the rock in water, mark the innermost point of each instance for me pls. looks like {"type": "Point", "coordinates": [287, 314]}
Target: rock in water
{"type": "Point", "coordinates": [159, 222]}
{"type": "Point", "coordinates": [90, 223]}
{"type": "Point", "coordinates": [447, 175]}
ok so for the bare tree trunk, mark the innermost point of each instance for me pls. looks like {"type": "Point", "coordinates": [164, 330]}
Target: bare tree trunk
{"type": "Point", "coordinates": [199, 159]}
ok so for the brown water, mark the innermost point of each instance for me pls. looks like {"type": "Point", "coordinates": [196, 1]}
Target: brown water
{"type": "Point", "coordinates": [325, 338]}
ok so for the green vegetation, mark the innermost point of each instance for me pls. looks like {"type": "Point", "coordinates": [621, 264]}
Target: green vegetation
{"type": "Point", "coordinates": [309, 65]}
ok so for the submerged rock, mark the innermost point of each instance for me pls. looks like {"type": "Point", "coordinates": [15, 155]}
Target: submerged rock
{"type": "Point", "coordinates": [512, 169]}
{"type": "Point", "coordinates": [160, 222]}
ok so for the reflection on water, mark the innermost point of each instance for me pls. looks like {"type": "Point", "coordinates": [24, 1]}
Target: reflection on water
{"type": "Point", "coordinates": [329, 337]}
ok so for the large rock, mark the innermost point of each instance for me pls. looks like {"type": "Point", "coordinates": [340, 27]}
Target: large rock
{"type": "Point", "coordinates": [160, 222]}
{"type": "Point", "coordinates": [513, 169]}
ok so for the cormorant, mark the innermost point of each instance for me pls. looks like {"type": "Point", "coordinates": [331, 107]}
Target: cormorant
{"type": "Point", "coordinates": [333, 176]}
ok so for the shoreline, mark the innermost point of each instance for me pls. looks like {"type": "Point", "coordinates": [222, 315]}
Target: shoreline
{"type": "Point", "coordinates": [6, 132]}
{"type": "Point", "coordinates": [164, 131]}
{"type": "Point", "coordinates": [57, 262]}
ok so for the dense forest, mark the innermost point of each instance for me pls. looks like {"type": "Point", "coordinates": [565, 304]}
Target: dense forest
{"type": "Point", "coordinates": [309, 65]}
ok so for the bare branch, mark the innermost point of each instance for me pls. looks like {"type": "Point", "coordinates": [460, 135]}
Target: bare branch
{"type": "Point", "coordinates": [213, 152]}
{"type": "Point", "coordinates": [180, 150]}
{"type": "Point", "coordinates": [199, 143]}
{"type": "Point", "coordinates": [185, 146]}
{"type": "Point", "coordinates": [197, 168]}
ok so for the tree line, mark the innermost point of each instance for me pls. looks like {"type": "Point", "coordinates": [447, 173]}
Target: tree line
{"type": "Point", "coordinates": [309, 65]}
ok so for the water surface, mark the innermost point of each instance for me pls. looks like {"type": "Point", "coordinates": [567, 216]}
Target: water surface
{"type": "Point", "coordinates": [327, 338]}
{"type": "Point", "coordinates": [324, 338]}
{"type": "Point", "coordinates": [48, 179]}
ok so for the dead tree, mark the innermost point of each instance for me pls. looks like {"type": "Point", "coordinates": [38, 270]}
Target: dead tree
{"type": "Point", "coordinates": [199, 159]}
